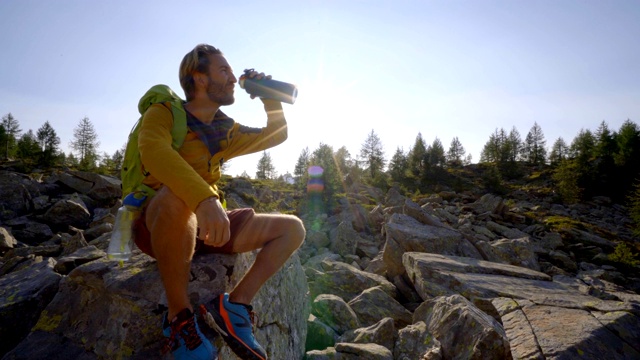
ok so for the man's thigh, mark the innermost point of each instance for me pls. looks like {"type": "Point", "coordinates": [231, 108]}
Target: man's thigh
{"type": "Point", "coordinates": [260, 229]}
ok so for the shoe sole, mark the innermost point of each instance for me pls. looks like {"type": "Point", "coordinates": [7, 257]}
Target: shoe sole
{"type": "Point", "coordinates": [236, 344]}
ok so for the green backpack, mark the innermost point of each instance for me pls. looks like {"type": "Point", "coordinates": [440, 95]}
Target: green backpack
{"type": "Point", "coordinates": [132, 173]}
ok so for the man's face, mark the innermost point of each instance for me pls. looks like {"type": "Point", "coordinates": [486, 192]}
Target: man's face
{"type": "Point", "coordinates": [221, 81]}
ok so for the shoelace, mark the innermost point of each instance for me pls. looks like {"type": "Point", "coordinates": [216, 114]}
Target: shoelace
{"type": "Point", "coordinates": [186, 330]}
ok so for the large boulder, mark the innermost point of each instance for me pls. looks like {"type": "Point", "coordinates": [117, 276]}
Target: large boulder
{"type": "Point", "coordinates": [406, 234]}
{"type": "Point", "coordinates": [382, 333]}
{"type": "Point", "coordinates": [335, 312]}
{"type": "Point", "coordinates": [15, 197]}
{"type": "Point", "coordinates": [104, 310]}
{"type": "Point", "coordinates": [23, 296]}
{"type": "Point", "coordinates": [68, 212]}
{"type": "Point", "coordinates": [98, 187]}
{"type": "Point", "coordinates": [518, 252]}
{"type": "Point", "coordinates": [415, 342]}
{"type": "Point", "coordinates": [374, 304]}
{"type": "Point", "coordinates": [346, 281]}
{"type": "Point", "coordinates": [463, 331]}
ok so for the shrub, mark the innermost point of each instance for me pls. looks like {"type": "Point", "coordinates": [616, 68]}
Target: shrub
{"type": "Point", "coordinates": [622, 254]}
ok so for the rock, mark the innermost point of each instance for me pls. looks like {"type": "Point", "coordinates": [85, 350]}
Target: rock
{"type": "Point", "coordinates": [507, 232]}
{"type": "Point", "coordinates": [97, 230]}
{"type": "Point", "coordinates": [67, 212]}
{"type": "Point", "coordinates": [15, 197]}
{"type": "Point", "coordinates": [421, 214]}
{"type": "Point", "coordinates": [436, 275]}
{"type": "Point", "coordinates": [373, 305]}
{"type": "Point", "coordinates": [405, 234]}
{"type": "Point", "coordinates": [73, 244]}
{"type": "Point", "coordinates": [565, 332]}
{"type": "Point", "coordinates": [350, 351]}
{"type": "Point", "coordinates": [29, 231]}
{"type": "Point", "coordinates": [346, 281]}
{"type": "Point", "coordinates": [518, 252]}
{"type": "Point", "coordinates": [98, 187]}
{"type": "Point", "coordinates": [463, 331]}
{"type": "Point", "coordinates": [489, 203]}
{"type": "Point", "coordinates": [100, 307]}
{"type": "Point", "coordinates": [319, 335]}
{"type": "Point", "coordinates": [317, 239]}
{"type": "Point", "coordinates": [394, 198]}
{"type": "Point", "coordinates": [623, 324]}
{"type": "Point", "coordinates": [381, 333]}
{"type": "Point", "coordinates": [23, 296]}
{"type": "Point", "coordinates": [326, 354]}
{"type": "Point", "coordinates": [415, 342]}
{"type": "Point", "coordinates": [7, 241]}
{"type": "Point", "coordinates": [81, 256]}
{"type": "Point", "coordinates": [335, 312]}
{"type": "Point", "coordinates": [344, 239]}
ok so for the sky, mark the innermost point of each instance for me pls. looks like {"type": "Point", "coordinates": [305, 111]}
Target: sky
{"type": "Point", "coordinates": [400, 68]}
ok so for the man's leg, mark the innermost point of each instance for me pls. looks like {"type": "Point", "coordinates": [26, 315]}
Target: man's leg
{"type": "Point", "coordinates": [278, 236]}
{"type": "Point", "coordinates": [173, 231]}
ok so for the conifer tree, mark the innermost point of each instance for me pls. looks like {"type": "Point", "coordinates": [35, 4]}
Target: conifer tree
{"type": "Point", "coordinates": [10, 138]}
{"type": "Point", "coordinates": [86, 144]}
{"type": "Point", "coordinates": [534, 149]}
{"type": "Point", "coordinates": [49, 142]}
{"type": "Point", "coordinates": [398, 166]}
{"type": "Point", "coordinates": [416, 158]}
{"type": "Point", "coordinates": [456, 153]}
{"type": "Point", "coordinates": [28, 148]}
{"type": "Point", "coordinates": [372, 153]}
{"type": "Point", "coordinates": [265, 168]}
{"type": "Point", "coordinates": [559, 151]}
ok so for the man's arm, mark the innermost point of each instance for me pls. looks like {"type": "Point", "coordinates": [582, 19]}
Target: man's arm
{"type": "Point", "coordinates": [246, 140]}
{"type": "Point", "coordinates": [164, 163]}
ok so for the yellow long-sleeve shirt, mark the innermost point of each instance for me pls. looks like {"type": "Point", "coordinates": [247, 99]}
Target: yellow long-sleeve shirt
{"type": "Point", "coordinates": [192, 172]}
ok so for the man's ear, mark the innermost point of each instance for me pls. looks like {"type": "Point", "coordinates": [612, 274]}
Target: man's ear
{"type": "Point", "coordinates": [200, 80]}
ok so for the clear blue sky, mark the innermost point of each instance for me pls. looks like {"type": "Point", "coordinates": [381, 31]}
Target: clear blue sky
{"type": "Point", "coordinates": [439, 68]}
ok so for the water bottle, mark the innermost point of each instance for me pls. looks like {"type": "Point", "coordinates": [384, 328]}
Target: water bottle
{"type": "Point", "coordinates": [268, 88]}
{"type": "Point", "coordinates": [120, 243]}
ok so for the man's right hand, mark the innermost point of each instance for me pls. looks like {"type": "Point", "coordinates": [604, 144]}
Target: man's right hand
{"type": "Point", "coordinates": [213, 222]}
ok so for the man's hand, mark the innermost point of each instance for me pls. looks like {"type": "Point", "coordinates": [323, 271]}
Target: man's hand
{"type": "Point", "coordinates": [213, 222]}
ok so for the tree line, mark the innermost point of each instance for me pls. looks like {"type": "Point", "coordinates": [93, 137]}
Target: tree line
{"type": "Point", "coordinates": [603, 162]}
{"type": "Point", "coordinates": [42, 148]}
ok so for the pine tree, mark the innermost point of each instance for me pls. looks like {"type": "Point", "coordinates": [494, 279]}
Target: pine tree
{"type": "Point", "coordinates": [265, 169]}
{"type": "Point", "coordinates": [28, 148]}
{"type": "Point", "coordinates": [372, 152]}
{"type": "Point", "coordinates": [49, 142]}
{"type": "Point", "coordinates": [86, 144]}
{"type": "Point", "coordinates": [559, 151]}
{"type": "Point", "coordinates": [513, 146]}
{"type": "Point", "coordinates": [343, 160]}
{"type": "Point", "coordinates": [456, 153]}
{"type": "Point", "coordinates": [534, 150]}
{"type": "Point", "coordinates": [300, 170]}
{"type": "Point", "coordinates": [11, 131]}
{"type": "Point", "coordinates": [398, 166]}
{"type": "Point", "coordinates": [416, 158]}
{"type": "Point", "coordinates": [435, 154]}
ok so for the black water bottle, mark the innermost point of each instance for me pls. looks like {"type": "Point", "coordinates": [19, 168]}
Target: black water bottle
{"type": "Point", "coordinates": [268, 88]}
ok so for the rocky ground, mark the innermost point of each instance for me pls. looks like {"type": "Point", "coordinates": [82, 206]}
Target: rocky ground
{"type": "Point", "coordinates": [451, 276]}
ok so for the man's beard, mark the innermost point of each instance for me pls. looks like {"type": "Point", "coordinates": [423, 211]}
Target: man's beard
{"type": "Point", "coordinates": [219, 94]}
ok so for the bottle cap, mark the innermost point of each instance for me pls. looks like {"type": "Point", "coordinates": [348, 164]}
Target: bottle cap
{"type": "Point", "coordinates": [135, 199]}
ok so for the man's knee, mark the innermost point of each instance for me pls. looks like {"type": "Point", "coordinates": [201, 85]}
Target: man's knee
{"type": "Point", "coordinates": [167, 208]}
{"type": "Point", "coordinates": [296, 230]}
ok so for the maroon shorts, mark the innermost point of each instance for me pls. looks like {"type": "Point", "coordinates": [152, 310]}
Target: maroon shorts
{"type": "Point", "coordinates": [237, 219]}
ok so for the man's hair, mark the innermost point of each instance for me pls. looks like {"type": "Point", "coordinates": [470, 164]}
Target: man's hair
{"type": "Point", "coordinates": [196, 60]}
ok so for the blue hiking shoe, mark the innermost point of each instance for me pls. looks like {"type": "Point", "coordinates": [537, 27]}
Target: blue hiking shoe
{"type": "Point", "coordinates": [184, 339]}
{"type": "Point", "coordinates": [234, 322]}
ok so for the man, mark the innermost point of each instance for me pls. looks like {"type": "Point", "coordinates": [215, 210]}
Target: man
{"type": "Point", "coordinates": [186, 216]}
